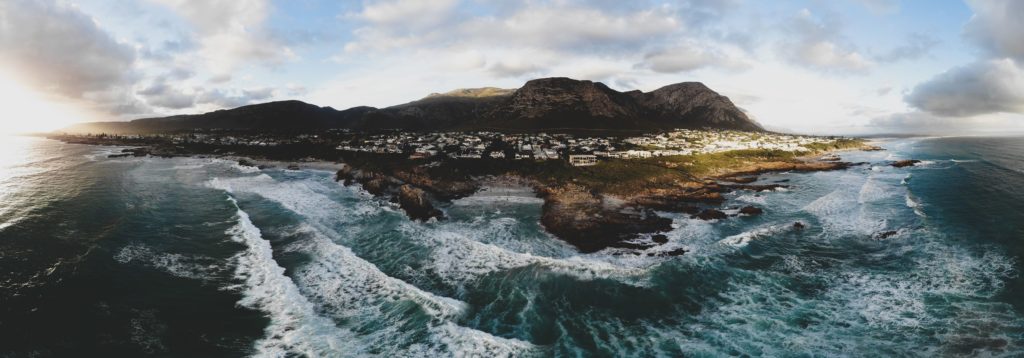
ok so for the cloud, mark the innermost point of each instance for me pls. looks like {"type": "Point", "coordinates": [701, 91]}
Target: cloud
{"type": "Point", "coordinates": [232, 99]}
{"type": "Point", "coordinates": [997, 27]}
{"type": "Point", "coordinates": [982, 87]}
{"type": "Point", "coordinates": [917, 122]}
{"type": "Point", "coordinates": [881, 6]}
{"type": "Point", "coordinates": [162, 95]}
{"type": "Point", "coordinates": [916, 46]}
{"type": "Point", "coordinates": [819, 45]}
{"type": "Point", "coordinates": [62, 50]}
{"type": "Point", "coordinates": [693, 56]}
{"type": "Point", "coordinates": [230, 33]}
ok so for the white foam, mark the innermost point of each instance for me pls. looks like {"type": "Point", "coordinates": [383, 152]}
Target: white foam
{"type": "Point", "coordinates": [458, 259]}
{"type": "Point", "coordinates": [742, 239]}
{"type": "Point", "coordinates": [346, 287]}
{"type": "Point", "coordinates": [196, 268]}
{"type": "Point", "coordinates": [294, 327]}
{"type": "Point", "coordinates": [753, 198]}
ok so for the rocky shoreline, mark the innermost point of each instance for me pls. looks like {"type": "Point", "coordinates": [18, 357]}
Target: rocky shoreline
{"type": "Point", "coordinates": [586, 217]}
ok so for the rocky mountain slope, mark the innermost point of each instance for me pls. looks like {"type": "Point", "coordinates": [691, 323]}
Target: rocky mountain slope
{"type": "Point", "coordinates": [547, 104]}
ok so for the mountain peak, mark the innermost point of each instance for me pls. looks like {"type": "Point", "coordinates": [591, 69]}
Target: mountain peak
{"type": "Point", "coordinates": [474, 92]}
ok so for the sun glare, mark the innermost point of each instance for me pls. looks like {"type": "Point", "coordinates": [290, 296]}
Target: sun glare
{"type": "Point", "coordinates": [26, 111]}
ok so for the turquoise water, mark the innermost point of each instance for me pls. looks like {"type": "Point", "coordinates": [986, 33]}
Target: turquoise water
{"type": "Point", "coordinates": [201, 257]}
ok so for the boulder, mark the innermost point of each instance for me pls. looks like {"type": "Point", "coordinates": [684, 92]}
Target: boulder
{"type": "Point", "coordinates": [659, 238]}
{"type": "Point", "coordinates": [711, 214]}
{"type": "Point", "coordinates": [905, 163]}
{"type": "Point", "coordinates": [751, 210]}
{"type": "Point", "coordinates": [416, 203]}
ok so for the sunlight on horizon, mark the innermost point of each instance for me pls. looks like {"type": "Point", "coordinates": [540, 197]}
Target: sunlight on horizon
{"type": "Point", "coordinates": [26, 111]}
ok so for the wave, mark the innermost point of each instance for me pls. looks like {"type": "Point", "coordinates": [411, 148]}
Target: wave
{"type": "Point", "coordinates": [294, 327]}
{"type": "Point", "coordinates": [742, 239]}
{"type": "Point", "coordinates": [347, 288]}
{"type": "Point", "coordinates": [913, 203]}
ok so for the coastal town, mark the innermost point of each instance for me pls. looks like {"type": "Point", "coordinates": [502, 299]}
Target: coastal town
{"type": "Point", "coordinates": [577, 150]}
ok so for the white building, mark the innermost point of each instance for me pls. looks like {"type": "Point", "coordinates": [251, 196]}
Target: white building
{"type": "Point", "coordinates": [582, 160]}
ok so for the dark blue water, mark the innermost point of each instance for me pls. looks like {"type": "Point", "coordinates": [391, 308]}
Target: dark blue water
{"type": "Point", "coordinates": [200, 257]}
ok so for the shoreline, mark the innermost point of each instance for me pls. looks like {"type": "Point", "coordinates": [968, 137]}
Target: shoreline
{"type": "Point", "coordinates": [581, 205]}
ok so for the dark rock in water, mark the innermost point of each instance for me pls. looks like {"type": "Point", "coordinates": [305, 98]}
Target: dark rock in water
{"type": "Point", "coordinates": [675, 252]}
{"type": "Point", "coordinates": [905, 163]}
{"type": "Point", "coordinates": [375, 186]}
{"type": "Point", "coordinates": [885, 234]}
{"type": "Point", "coordinates": [246, 163]}
{"type": "Point", "coordinates": [138, 152]}
{"type": "Point", "coordinates": [119, 155]}
{"type": "Point", "coordinates": [578, 216]}
{"type": "Point", "coordinates": [659, 238]}
{"type": "Point", "coordinates": [799, 225]}
{"type": "Point", "coordinates": [293, 167]}
{"type": "Point", "coordinates": [416, 204]}
{"type": "Point", "coordinates": [711, 214]}
{"type": "Point", "coordinates": [630, 245]}
{"type": "Point", "coordinates": [739, 180]}
{"type": "Point", "coordinates": [751, 210]}
{"type": "Point", "coordinates": [756, 187]}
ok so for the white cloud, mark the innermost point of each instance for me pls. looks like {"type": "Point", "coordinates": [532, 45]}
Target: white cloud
{"type": "Point", "coordinates": [979, 88]}
{"type": "Point", "coordinates": [819, 45]}
{"type": "Point", "coordinates": [917, 122]}
{"type": "Point", "coordinates": [691, 55]}
{"type": "Point", "coordinates": [231, 33]}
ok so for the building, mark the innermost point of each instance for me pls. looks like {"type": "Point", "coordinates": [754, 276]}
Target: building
{"type": "Point", "coordinates": [582, 160]}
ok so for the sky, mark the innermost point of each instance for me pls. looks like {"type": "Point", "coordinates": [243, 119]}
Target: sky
{"type": "Point", "coordinates": [810, 66]}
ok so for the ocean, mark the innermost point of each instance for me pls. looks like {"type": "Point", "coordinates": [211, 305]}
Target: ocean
{"type": "Point", "coordinates": [200, 257]}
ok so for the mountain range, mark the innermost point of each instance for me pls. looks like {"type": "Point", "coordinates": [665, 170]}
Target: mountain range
{"type": "Point", "coordinates": [546, 104]}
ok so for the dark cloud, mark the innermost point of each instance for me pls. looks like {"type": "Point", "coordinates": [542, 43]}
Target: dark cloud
{"type": "Point", "coordinates": [997, 27]}
{"type": "Point", "coordinates": [226, 99]}
{"type": "Point", "coordinates": [62, 49]}
{"type": "Point", "coordinates": [162, 95]}
{"type": "Point", "coordinates": [979, 88]}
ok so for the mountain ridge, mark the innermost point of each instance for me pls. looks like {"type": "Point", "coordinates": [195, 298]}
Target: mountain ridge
{"type": "Point", "coordinates": [540, 104]}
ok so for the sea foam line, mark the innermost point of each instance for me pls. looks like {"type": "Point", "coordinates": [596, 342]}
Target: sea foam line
{"type": "Point", "coordinates": [345, 286]}
{"type": "Point", "coordinates": [294, 327]}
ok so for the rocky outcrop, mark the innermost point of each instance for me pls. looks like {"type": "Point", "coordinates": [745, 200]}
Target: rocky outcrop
{"type": "Point", "coordinates": [416, 203]}
{"type": "Point", "coordinates": [905, 163]}
{"type": "Point", "coordinates": [750, 210]}
{"type": "Point", "coordinates": [711, 214]}
{"type": "Point", "coordinates": [770, 167]}
{"type": "Point", "coordinates": [581, 218]}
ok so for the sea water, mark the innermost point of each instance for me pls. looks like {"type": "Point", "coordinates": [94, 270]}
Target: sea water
{"type": "Point", "coordinates": [201, 257]}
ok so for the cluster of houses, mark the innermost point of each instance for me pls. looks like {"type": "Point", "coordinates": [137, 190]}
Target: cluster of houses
{"type": "Point", "coordinates": [580, 151]}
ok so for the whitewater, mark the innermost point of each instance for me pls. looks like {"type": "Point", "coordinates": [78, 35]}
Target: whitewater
{"type": "Point", "coordinates": [203, 257]}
